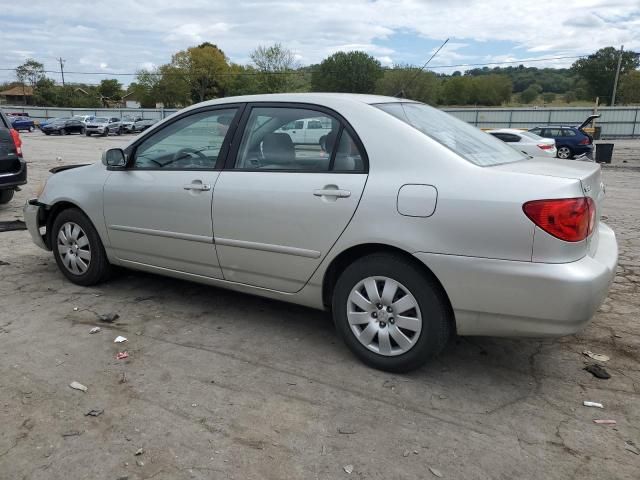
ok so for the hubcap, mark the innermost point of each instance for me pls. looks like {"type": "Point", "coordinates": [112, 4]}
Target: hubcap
{"type": "Point", "coordinates": [564, 152]}
{"type": "Point", "coordinates": [74, 248]}
{"type": "Point", "coordinates": [384, 316]}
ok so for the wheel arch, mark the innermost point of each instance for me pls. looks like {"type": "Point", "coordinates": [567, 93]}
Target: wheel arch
{"type": "Point", "coordinates": [53, 211]}
{"type": "Point", "coordinates": [350, 255]}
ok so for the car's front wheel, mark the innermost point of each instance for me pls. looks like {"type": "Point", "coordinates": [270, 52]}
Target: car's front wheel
{"type": "Point", "coordinates": [105, 132]}
{"type": "Point", "coordinates": [564, 152]}
{"type": "Point", "coordinates": [77, 248]}
{"type": "Point", "coordinates": [390, 313]}
{"type": "Point", "coordinates": [6, 196]}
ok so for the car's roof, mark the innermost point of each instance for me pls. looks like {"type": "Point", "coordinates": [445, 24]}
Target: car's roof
{"type": "Point", "coordinates": [555, 126]}
{"type": "Point", "coordinates": [307, 98]}
{"type": "Point", "coordinates": [505, 130]}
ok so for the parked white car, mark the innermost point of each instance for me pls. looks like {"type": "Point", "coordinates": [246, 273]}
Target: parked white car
{"type": "Point", "coordinates": [412, 226]}
{"type": "Point", "coordinates": [526, 142]}
{"type": "Point", "coordinates": [83, 118]}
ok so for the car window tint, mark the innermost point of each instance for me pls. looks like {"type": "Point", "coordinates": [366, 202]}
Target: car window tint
{"type": "Point", "coordinates": [193, 142]}
{"type": "Point", "coordinates": [266, 145]}
{"type": "Point", "coordinates": [568, 133]}
{"type": "Point", "coordinates": [348, 155]}
{"type": "Point", "coordinates": [552, 132]}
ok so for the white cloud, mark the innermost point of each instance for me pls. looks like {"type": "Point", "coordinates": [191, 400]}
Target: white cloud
{"type": "Point", "coordinates": [127, 35]}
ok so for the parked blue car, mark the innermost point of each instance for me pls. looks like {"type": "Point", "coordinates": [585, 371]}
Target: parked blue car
{"type": "Point", "coordinates": [571, 141]}
{"type": "Point", "coordinates": [22, 123]}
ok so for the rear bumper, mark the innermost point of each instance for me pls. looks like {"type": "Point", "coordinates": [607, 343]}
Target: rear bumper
{"type": "Point", "coordinates": [507, 298]}
{"type": "Point", "coordinates": [32, 217]}
{"type": "Point", "coordinates": [14, 179]}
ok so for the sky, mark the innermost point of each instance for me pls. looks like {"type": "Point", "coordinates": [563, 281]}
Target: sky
{"type": "Point", "coordinates": [124, 36]}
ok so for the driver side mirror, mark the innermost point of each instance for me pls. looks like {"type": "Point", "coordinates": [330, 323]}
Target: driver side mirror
{"type": "Point", "coordinates": [114, 158]}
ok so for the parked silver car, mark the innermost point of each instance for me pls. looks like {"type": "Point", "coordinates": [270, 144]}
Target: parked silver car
{"type": "Point", "coordinates": [103, 126]}
{"type": "Point", "coordinates": [408, 224]}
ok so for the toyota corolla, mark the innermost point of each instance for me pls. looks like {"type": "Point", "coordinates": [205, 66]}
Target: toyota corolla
{"type": "Point", "coordinates": [407, 224]}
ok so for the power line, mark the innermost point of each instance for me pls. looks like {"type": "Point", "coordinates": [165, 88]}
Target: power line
{"type": "Point", "coordinates": [305, 72]}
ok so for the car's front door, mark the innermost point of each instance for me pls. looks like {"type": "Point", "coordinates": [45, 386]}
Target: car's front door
{"type": "Point", "coordinates": [280, 206]}
{"type": "Point", "coordinates": [158, 210]}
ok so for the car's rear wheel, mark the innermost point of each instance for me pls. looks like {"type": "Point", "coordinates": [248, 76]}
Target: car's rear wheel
{"type": "Point", "coordinates": [390, 313]}
{"type": "Point", "coordinates": [77, 248]}
{"type": "Point", "coordinates": [119, 131]}
{"type": "Point", "coordinates": [6, 196]}
{"type": "Point", "coordinates": [105, 133]}
{"type": "Point", "coordinates": [82, 131]}
{"type": "Point", "coordinates": [564, 152]}
{"type": "Point", "coordinates": [87, 133]}
{"type": "Point", "coordinates": [63, 131]}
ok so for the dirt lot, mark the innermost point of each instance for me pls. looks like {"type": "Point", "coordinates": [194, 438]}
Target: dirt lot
{"type": "Point", "coordinates": [223, 385]}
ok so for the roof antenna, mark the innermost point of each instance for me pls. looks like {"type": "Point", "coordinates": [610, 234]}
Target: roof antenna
{"type": "Point", "coordinates": [401, 93]}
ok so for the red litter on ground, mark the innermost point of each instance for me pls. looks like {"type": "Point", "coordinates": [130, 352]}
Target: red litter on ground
{"type": "Point", "coordinates": [122, 355]}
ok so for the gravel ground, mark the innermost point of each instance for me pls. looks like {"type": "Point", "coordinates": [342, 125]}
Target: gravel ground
{"type": "Point", "coordinates": [224, 385]}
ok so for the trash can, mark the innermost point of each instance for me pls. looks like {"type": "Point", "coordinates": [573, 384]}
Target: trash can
{"type": "Point", "coordinates": [604, 152]}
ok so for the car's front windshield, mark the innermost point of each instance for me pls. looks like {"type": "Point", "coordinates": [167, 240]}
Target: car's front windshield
{"type": "Point", "coordinates": [101, 120]}
{"type": "Point", "coordinates": [464, 139]}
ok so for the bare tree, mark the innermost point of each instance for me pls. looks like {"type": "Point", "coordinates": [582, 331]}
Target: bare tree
{"type": "Point", "coordinates": [275, 65]}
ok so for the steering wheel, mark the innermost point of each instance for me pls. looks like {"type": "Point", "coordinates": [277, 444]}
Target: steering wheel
{"type": "Point", "coordinates": [188, 151]}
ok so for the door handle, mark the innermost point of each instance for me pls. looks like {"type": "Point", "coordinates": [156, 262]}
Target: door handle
{"type": "Point", "coordinates": [332, 192]}
{"type": "Point", "coordinates": [197, 186]}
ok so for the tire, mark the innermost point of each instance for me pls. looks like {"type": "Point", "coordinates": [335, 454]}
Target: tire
{"type": "Point", "coordinates": [6, 196]}
{"type": "Point", "coordinates": [564, 152]}
{"type": "Point", "coordinates": [119, 131]}
{"type": "Point", "coordinates": [88, 134]}
{"type": "Point", "coordinates": [105, 133]}
{"type": "Point", "coordinates": [425, 330]}
{"type": "Point", "coordinates": [31, 129]}
{"type": "Point", "coordinates": [47, 133]}
{"type": "Point", "coordinates": [77, 267]}
{"type": "Point", "coordinates": [82, 131]}
{"type": "Point", "coordinates": [63, 131]}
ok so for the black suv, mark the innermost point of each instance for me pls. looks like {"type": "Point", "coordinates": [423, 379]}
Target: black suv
{"type": "Point", "coordinates": [13, 168]}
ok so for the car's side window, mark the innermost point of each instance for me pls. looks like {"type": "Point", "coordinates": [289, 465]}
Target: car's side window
{"type": "Point", "coordinates": [568, 133]}
{"type": "Point", "coordinates": [192, 142]}
{"type": "Point", "coordinates": [269, 143]}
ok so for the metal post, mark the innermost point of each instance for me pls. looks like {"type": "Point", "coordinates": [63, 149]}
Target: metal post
{"type": "Point", "coordinates": [615, 82]}
{"type": "Point", "coordinates": [477, 112]}
{"type": "Point", "coordinates": [635, 122]}
{"type": "Point", "coordinates": [510, 117]}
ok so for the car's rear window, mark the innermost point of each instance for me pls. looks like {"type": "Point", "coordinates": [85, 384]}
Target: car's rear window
{"type": "Point", "coordinates": [464, 139]}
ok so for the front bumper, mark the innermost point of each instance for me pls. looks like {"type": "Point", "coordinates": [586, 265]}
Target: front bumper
{"type": "Point", "coordinates": [94, 129]}
{"type": "Point", "coordinates": [529, 299]}
{"type": "Point", "coordinates": [14, 179]}
{"type": "Point", "coordinates": [32, 217]}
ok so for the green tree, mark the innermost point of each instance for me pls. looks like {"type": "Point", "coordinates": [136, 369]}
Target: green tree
{"type": "Point", "coordinates": [167, 85]}
{"type": "Point", "coordinates": [355, 72]}
{"type": "Point", "coordinates": [530, 94]}
{"type": "Point", "coordinates": [570, 97]}
{"type": "Point", "coordinates": [274, 66]}
{"type": "Point", "coordinates": [110, 88]}
{"type": "Point", "coordinates": [457, 90]}
{"type": "Point", "coordinates": [548, 97]}
{"type": "Point", "coordinates": [490, 90]}
{"type": "Point", "coordinates": [205, 69]}
{"type": "Point", "coordinates": [630, 87]}
{"type": "Point", "coordinates": [599, 70]}
{"type": "Point", "coordinates": [30, 73]}
{"type": "Point", "coordinates": [416, 85]}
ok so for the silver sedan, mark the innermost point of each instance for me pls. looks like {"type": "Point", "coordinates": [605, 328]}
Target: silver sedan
{"type": "Point", "coordinates": [406, 223]}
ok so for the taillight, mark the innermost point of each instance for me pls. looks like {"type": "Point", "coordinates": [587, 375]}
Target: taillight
{"type": "Point", "coordinates": [585, 141]}
{"type": "Point", "coordinates": [545, 146]}
{"type": "Point", "coordinates": [17, 141]}
{"type": "Point", "coordinates": [569, 219]}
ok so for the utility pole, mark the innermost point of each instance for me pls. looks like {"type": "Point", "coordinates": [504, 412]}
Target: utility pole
{"type": "Point", "coordinates": [615, 82]}
{"type": "Point", "coordinates": [61, 60]}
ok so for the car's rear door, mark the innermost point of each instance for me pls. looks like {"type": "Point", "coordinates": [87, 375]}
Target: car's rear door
{"type": "Point", "coordinates": [279, 207]}
{"type": "Point", "coordinates": [158, 210]}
